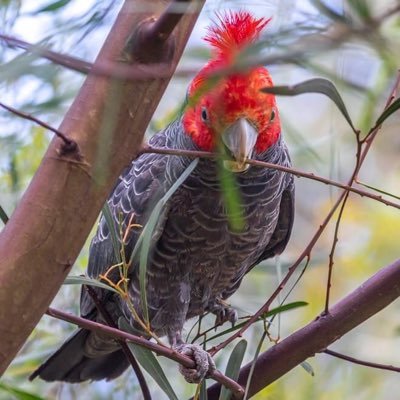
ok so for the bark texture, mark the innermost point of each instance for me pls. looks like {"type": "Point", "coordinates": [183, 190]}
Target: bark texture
{"type": "Point", "coordinates": [108, 118]}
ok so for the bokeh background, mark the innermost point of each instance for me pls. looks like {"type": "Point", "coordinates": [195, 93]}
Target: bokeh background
{"type": "Point", "coordinates": [363, 64]}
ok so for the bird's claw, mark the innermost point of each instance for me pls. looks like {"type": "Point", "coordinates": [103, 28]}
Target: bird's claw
{"type": "Point", "coordinates": [224, 313]}
{"type": "Point", "coordinates": [205, 365]}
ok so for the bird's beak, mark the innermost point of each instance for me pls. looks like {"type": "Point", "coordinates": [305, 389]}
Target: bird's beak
{"type": "Point", "coordinates": [240, 138]}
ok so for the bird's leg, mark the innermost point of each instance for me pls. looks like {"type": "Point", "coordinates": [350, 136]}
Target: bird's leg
{"type": "Point", "coordinates": [223, 312]}
{"type": "Point", "coordinates": [204, 363]}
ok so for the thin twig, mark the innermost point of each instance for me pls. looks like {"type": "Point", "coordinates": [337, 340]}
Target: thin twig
{"type": "Point", "coordinates": [307, 251]}
{"type": "Point", "coordinates": [361, 362]}
{"type": "Point", "coordinates": [360, 157]}
{"type": "Point", "coordinates": [290, 170]}
{"type": "Point", "coordinates": [158, 349]}
{"type": "Point", "coordinates": [131, 358]}
{"type": "Point", "coordinates": [69, 144]}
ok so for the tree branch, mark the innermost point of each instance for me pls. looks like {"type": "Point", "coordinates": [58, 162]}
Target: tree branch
{"type": "Point", "coordinates": [290, 170]}
{"type": "Point", "coordinates": [129, 355]}
{"type": "Point", "coordinates": [70, 146]}
{"type": "Point", "coordinates": [44, 235]}
{"type": "Point", "coordinates": [361, 362]}
{"type": "Point", "coordinates": [367, 300]}
{"type": "Point", "coordinates": [156, 348]}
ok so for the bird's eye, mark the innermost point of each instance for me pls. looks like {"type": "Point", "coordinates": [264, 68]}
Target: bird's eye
{"type": "Point", "coordinates": [272, 116]}
{"type": "Point", "coordinates": [204, 114]}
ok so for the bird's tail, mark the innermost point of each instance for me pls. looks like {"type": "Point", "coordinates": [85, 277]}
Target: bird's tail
{"type": "Point", "coordinates": [69, 363]}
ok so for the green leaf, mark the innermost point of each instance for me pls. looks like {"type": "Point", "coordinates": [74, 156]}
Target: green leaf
{"type": "Point", "coordinates": [253, 364]}
{"type": "Point", "coordinates": [316, 85]}
{"type": "Point", "coordinates": [52, 6]}
{"type": "Point", "coordinates": [19, 394]}
{"type": "Point", "coordinates": [3, 215]}
{"type": "Point", "coordinates": [308, 368]}
{"type": "Point", "coordinates": [378, 190]}
{"type": "Point", "coordinates": [270, 313]}
{"type": "Point", "coordinates": [145, 238]}
{"type": "Point", "coordinates": [232, 198]}
{"type": "Point", "coordinates": [233, 367]}
{"type": "Point", "coordinates": [149, 362]}
{"type": "Point", "coordinates": [113, 231]}
{"type": "Point", "coordinates": [203, 390]}
{"type": "Point", "coordinates": [388, 112]}
{"type": "Point", "coordinates": [84, 280]}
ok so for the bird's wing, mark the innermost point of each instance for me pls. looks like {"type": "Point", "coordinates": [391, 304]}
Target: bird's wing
{"type": "Point", "coordinates": [138, 189]}
{"type": "Point", "coordinates": [283, 229]}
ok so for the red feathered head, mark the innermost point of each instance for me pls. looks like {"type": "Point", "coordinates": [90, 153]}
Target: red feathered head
{"type": "Point", "coordinates": [232, 108]}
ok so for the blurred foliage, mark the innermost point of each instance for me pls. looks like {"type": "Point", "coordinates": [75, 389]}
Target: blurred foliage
{"type": "Point", "coordinates": [335, 40]}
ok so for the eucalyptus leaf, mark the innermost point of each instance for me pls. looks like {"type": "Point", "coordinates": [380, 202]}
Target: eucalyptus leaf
{"type": "Point", "coordinates": [388, 112]}
{"type": "Point", "coordinates": [316, 85]}
{"type": "Point", "coordinates": [3, 215]}
{"type": "Point", "coordinates": [253, 364]}
{"type": "Point", "coordinates": [84, 280]}
{"type": "Point", "coordinates": [308, 368]}
{"type": "Point", "coordinates": [149, 362]}
{"type": "Point", "coordinates": [146, 235]}
{"type": "Point", "coordinates": [233, 367]}
{"type": "Point", "coordinates": [203, 390]}
{"type": "Point", "coordinates": [275, 311]}
{"type": "Point", "coordinates": [18, 393]}
{"type": "Point", "coordinates": [53, 6]}
{"type": "Point", "coordinates": [232, 197]}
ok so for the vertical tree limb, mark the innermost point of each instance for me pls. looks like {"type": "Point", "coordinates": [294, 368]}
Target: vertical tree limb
{"type": "Point", "coordinates": [49, 227]}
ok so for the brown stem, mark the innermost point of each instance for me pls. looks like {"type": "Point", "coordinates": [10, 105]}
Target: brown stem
{"type": "Point", "coordinates": [290, 170]}
{"type": "Point", "coordinates": [162, 28]}
{"type": "Point", "coordinates": [70, 145]}
{"type": "Point", "coordinates": [158, 349]}
{"type": "Point", "coordinates": [131, 358]}
{"type": "Point", "coordinates": [361, 362]}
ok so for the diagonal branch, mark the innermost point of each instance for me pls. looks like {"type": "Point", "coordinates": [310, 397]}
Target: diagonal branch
{"type": "Point", "coordinates": [158, 349]}
{"type": "Point", "coordinates": [367, 300]}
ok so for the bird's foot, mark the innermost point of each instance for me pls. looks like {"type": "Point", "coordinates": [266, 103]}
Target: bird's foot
{"type": "Point", "coordinates": [224, 313]}
{"type": "Point", "coordinates": [205, 365]}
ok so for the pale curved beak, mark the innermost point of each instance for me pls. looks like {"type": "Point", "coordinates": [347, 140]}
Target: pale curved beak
{"type": "Point", "coordinates": [240, 138]}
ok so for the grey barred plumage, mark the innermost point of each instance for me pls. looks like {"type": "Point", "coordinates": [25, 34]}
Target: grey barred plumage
{"type": "Point", "coordinates": [196, 260]}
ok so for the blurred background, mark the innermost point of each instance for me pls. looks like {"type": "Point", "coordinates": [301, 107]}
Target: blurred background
{"type": "Point", "coordinates": [355, 44]}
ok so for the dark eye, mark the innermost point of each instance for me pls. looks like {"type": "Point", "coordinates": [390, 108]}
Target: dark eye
{"type": "Point", "coordinates": [272, 117]}
{"type": "Point", "coordinates": [204, 114]}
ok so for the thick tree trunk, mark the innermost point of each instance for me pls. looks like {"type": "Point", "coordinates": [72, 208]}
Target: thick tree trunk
{"type": "Point", "coordinates": [50, 225]}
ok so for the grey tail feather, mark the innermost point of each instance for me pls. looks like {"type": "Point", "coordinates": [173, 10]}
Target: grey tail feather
{"type": "Point", "coordinates": [69, 364]}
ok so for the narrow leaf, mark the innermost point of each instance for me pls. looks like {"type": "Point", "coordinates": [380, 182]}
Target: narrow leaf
{"type": "Point", "coordinates": [388, 112]}
{"type": "Point", "coordinates": [52, 6]}
{"type": "Point", "coordinates": [150, 363]}
{"type": "Point", "coordinates": [147, 233]}
{"type": "Point", "coordinates": [308, 368]}
{"type": "Point", "coordinates": [233, 367]}
{"type": "Point", "coordinates": [270, 313]}
{"type": "Point", "coordinates": [232, 198]}
{"type": "Point", "coordinates": [203, 390]}
{"type": "Point", "coordinates": [3, 215]}
{"type": "Point", "coordinates": [316, 85]}
{"type": "Point", "coordinates": [378, 190]}
{"type": "Point", "coordinates": [18, 393]}
{"type": "Point", "coordinates": [253, 364]}
{"type": "Point", "coordinates": [113, 231]}
{"type": "Point", "coordinates": [84, 280]}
